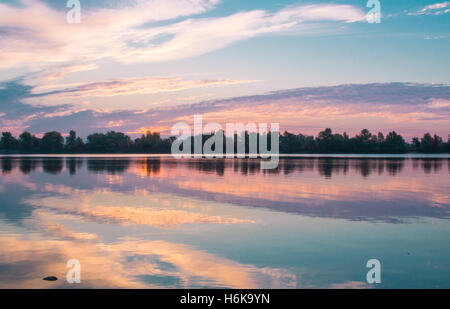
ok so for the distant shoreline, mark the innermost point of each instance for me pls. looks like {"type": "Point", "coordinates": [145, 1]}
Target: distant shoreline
{"type": "Point", "coordinates": [285, 156]}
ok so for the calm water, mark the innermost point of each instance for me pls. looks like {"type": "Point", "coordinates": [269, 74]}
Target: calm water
{"type": "Point", "coordinates": [158, 222]}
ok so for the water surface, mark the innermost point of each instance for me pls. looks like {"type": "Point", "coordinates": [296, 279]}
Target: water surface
{"type": "Point", "coordinates": [157, 222]}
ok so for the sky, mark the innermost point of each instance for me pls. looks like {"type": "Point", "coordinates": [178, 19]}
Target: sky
{"type": "Point", "coordinates": [140, 65]}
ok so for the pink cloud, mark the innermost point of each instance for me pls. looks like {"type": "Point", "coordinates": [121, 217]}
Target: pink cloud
{"type": "Point", "coordinates": [409, 109]}
{"type": "Point", "coordinates": [37, 35]}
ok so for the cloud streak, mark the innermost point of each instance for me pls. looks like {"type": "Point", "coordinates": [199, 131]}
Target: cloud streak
{"type": "Point", "coordinates": [410, 109]}
{"type": "Point", "coordinates": [130, 86]}
{"type": "Point", "coordinates": [434, 9]}
{"type": "Point", "coordinates": [35, 34]}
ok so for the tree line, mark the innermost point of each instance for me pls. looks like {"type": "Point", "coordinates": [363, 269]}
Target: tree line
{"type": "Point", "coordinates": [151, 142]}
{"type": "Point", "coordinates": [364, 142]}
{"type": "Point", "coordinates": [111, 142]}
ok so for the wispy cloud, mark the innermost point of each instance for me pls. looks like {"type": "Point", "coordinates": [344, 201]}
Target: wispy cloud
{"type": "Point", "coordinates": [410, 109]}
{"type": "Point", "coordinates": [56, 72]}
{"type": "Point", "coordinates": [130, 86]}
{"type": "Point", "coordinates": [35, 34]}
{"type": "Point", "coordinates": [433, 9]}
{"type": "Point", "coordinates": [15, 113]}
{"type": "Point", "coordinates": [22, 100]}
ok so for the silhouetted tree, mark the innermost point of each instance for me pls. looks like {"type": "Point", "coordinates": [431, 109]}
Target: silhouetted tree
{"type": "Point", "coordinates": [70, 140]}
{"type": "Point", "coordinates": [394, 143]}
{"type": "Point", "coordinates": [8, 142]}
{"type": "Point", "coordinates": [74, 143]}
{"type": "Point", "coordinates": [447, 148]}
{"type": "Point", "coordinates": [110, 142]}
{"type": "Point", "coordinates": [429, 144]}
{"type": "Point", "coordinates": [415, 146]}
{"type": "Point", "coordinates": [26, 141]}
{"type": "Point", "coordinates": [325, 140]}
{"type": "Point", "coordinates": [150, 142]}
{"type": "Point", "coordinates": [52, 142]}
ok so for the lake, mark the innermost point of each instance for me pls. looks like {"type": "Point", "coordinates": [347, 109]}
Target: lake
{"type": "Point", "coordinates": [158, 222]}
